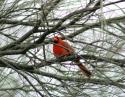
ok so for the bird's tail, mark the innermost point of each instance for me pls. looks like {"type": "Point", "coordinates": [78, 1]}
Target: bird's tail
{"type": "Point", "coordinates": [84, 70]}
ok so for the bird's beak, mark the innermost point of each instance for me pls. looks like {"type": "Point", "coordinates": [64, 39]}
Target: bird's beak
{"type": "Point", "coordinates": [52, 41]}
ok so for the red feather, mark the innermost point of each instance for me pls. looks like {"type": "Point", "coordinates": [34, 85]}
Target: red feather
{"type": "Point", "coordinates": [62, 48]}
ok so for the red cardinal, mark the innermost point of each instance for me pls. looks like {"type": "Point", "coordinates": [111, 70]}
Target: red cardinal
{"type": "Point", "coordinates": [61, 49]}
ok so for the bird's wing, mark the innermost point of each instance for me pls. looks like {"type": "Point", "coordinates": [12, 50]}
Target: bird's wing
{"type": "Point", "coordinates": [70, 49]}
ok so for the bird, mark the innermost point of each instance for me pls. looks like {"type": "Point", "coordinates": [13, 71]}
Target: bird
{"type": "Point", "coordinates": [61, 49]}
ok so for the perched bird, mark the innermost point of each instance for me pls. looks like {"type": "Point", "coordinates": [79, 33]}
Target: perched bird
{"type": "Point", "coordinates": [62, 48]}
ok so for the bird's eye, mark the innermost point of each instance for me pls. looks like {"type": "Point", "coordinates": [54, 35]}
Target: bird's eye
{"type": "Point", "coordinates": [55, 40]}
